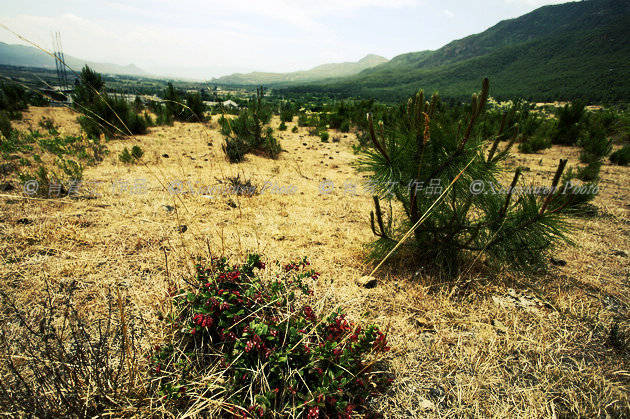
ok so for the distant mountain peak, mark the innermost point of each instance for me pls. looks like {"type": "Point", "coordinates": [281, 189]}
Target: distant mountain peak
{"type": "Point", "coordinates": [564, 51]}
{"type": "Point", "coordinates": [323, 71]}
{"type": "Point", "coordinates": [373, 58]}
{"type": "Point", "coordinates": [27, 56]}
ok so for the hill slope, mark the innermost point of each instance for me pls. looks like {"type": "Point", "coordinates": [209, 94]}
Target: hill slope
{"type": "Point", "coordinates": [26, 56]}
{"type": "Point", "coordinates": [578, 49]}
{"type": "Point", "coordinates": [316, 73]}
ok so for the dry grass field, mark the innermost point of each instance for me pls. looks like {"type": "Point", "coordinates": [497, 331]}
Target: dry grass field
{"type": "Point", "coordinates": [498, 345]}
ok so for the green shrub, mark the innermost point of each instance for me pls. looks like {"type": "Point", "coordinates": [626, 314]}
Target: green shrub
{"type": "Point", "coordinates": [590, 172]}
{"type": "Point", "coordinates": [246, 338]}
{"type": "Point", "coordinates": [103, 113]}
{"type": "Point", "coordinates": [413, 160]}
{"type": "Point", "coordinates": [294, 129]}
{"type": "Point", "coordinates": [52, 182]}
{"type": "Point", "coordinates": [5, 125]}
{"type": "Point", "coordinates": [339, 115]}
{"type": "Point", "coordinates": [324, 136]}
{"type": "Point", "coordinates": [595, 145]}
{"type": "Point", "coordinates": [345, 126]}
{"type": "Point", "coordinates": [149, 121]}
{"type": "Point", "coordinates": [621, 156]}
{"type": "Point", "coordinates": [282, 126]}
{"type": "Point", "coordinates": [235, 149]}
{"type": "Point", "coordinates": [138, 104]}
{"type": "Point", "coordinates": [13, 99]}
{"type": "Point", "coordinates": [271, 146]}
{"type": "Point", "coordinates": [224, 123]}
{"type": "Point", "coordinates": [49, 125]}
{"type": "Point", "coordinates": [248, 132]}
{"type": "Point", "coordinates": [534, 144]}
{"type": "Point", "coordinates": [195, 108]}
{"type": "Point", "coordinates": [570, 123]}
{"type": "Point", "coordinates": [311, 120]}
{"type": "Point", "coordinates": [137, 152]}
{"type": "Point", "coordinates": [125, 156]}
{"type": "Point", "coordinates": [132, 156]}
{"type": "Point", "coordinates": [287, 112]}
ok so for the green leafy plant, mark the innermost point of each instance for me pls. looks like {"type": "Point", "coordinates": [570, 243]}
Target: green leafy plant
{"type": "Point", "coordinates": [570, 123]}
{"type": "Point", "coordinates": [428, 145]}
{"type": "Point", "coordinates": [287, 112]}
{"type": "Point", "coordinates": [103, 113]}
{"type": "Point", "coordinates": [129, 157]}
{"type": "Point", "coordinates": [249, 132]}
{"type": "Point", "coordinates": [5, 125]}
{"type": "Point", "coordinates": [137, 152]}
{"type": "Point", "coordinates": [49, 125]}
{"type": "Point", "coordinates": [294, 129]}
{"type": "Point", "coordinates": [224, 123]}
{"type": "Point", "coordinates": [125, 156]}
{"type": "Point", "coordinates": [324, 136]}
{"type": "Point", "coordinates": [245, 337]}
{"type": "Point", "coordinates": [235, 149]}
{"type": "Point", "coordinates": [282, 126]}
{"type": "Point", "coordinates": [534, 144]}
{"type": "Point", "coordinates": [13, 100]}
{"type": "Point", "coordinates": [621, 156]}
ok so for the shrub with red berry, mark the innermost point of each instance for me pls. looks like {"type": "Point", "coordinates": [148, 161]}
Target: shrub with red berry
{"type": "Point", "coordinates": [254, 347]}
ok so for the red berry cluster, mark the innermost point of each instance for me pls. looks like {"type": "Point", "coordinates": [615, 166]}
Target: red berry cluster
{"type": "Point", "coordinates": [203, 320]}
{"type": "Point", "coordinates": [246, 321]}
{"type": "Point", "coordinates": [256, 343]}
{"type": "Point", "coordinates": [338, 328]}
{"type": "Point", "coordinates": [309, 313]}
{"type": "Point", "coordinates": [294, 266]}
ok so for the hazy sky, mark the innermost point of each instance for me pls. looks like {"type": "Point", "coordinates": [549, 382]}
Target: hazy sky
{"type": "Point", "coordinates": [209, 38]}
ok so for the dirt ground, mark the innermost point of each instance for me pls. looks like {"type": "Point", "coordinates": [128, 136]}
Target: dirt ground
{"type": "Point", "coordinates": [486, 346]}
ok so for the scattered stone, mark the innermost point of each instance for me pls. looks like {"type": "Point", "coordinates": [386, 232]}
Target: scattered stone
{"type": "Point", "coordinates": [24, 221]}
{"type": "Point", "coordinates": [425, 404]}
{"type": "Point", "coordinates": [367, 281]}
{"type": "Point", "coordinates": [183, 228]}
{"type": "Point", "coordinates": [165, 155]}
{"type": "Point", "coordinates": [499, 326]}
{"type": "Point", "coordinates": [169, 208]}
{"type": "Point", "coordinates": [518, 299]}
{"type": "Point", "coordinates": [558, 262]}
{"type": "Point", "coordinates": [304, 144]}
{"type": "Point", "coordinates": [621, 253]}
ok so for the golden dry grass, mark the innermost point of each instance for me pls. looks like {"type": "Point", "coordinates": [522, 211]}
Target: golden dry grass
{"type": "Point", "coordinates": [460, 348]}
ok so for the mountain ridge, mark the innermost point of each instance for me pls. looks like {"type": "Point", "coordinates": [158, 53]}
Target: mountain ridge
{"type": "Point", "coordinates": [316, 73]}
{"type": "Point", "coordinates": [27, 56]}
{"type": "Point", "coordinates": [565, 51]}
